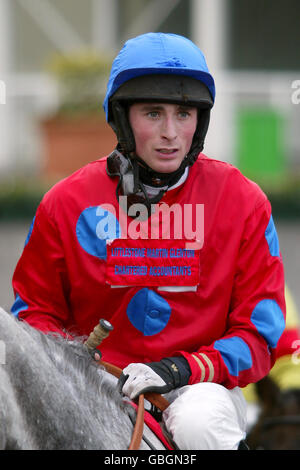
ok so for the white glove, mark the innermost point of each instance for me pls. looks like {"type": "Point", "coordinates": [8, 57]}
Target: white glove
{"type": "Point", "coordinates": [160, 377]}
{"type": "Point", "coordinates": [138, 378]}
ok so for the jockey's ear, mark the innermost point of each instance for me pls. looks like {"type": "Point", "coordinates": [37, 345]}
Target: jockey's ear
{"type": "Point", "coordinates": [268, 392]}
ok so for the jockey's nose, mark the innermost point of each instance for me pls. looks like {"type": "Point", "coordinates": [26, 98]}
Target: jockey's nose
{"type": "Point", "coordinates": [168, 128]}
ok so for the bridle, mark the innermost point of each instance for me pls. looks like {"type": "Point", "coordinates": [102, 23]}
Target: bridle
{"type": "Point", "coordinates": [280, 420]}
{"type": "Point", "coordinates": [272, 421]}
{"type": "Point", "coordinates": [100, 332]}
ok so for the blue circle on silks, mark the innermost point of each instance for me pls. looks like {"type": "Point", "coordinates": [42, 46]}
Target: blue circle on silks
{"type": "Point", "coordinates": [148, 312]}
{"type": "Point", "coordinates": [95, 225]}
{"type": "Point", "coordinates": [30, 231]}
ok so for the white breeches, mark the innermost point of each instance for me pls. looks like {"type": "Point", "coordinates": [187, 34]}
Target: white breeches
{"type": "Point", "coordinates": [206, 416]}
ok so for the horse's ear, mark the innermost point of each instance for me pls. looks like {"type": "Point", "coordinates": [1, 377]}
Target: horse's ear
{"type": "Point", "coordinates": [268, 392]}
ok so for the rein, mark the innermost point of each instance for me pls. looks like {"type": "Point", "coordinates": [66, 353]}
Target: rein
{"type": "Point", "coordinates": [100, 332]}
{"type": "Point", "coordinates": [154, 398]}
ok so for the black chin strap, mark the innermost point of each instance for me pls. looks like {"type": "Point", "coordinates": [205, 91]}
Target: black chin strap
{"type": "Point", "coordinates": [156, 179]}
{"type": "Point", "coordinates": [134, 175]}
{"type": "Point", "coordinates": [142, 177]}
{"type": "Point", "coordinates": [130, 184]}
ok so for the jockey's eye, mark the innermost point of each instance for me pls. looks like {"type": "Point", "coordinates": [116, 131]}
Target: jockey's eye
{"type": "Point", "coordinates": [153, 114]}
{"type": "Point", "coordinates": [183, 114]}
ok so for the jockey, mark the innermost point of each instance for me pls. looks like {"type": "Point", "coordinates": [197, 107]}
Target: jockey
{"type": "Point", "coordinates": [177, 250]}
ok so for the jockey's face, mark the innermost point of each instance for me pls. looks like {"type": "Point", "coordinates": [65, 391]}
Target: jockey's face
{"type": "Point", "coordinates": [163, 133]}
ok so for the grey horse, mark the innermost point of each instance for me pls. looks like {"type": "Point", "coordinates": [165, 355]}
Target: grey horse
{"type": "Point", "coordinates": [53, 396]}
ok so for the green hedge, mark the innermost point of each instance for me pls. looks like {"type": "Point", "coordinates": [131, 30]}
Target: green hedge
{"type": "Point", "coordinates": [285, 205]}
{"type": "Point", "coordinates": [20, 200]}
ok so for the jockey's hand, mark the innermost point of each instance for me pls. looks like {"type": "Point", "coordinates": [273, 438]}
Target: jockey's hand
{"type": "Point", "coordinates": [160, 377]}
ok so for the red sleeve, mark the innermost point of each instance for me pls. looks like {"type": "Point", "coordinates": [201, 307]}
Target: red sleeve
{"type": "Point", "coordinates": [40, 279]}
{"type": "Point", "coordinates": [256, 318]}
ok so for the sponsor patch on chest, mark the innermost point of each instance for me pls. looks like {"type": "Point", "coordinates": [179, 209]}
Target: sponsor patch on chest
{"type": "Point", "coordinates": [152, 263]}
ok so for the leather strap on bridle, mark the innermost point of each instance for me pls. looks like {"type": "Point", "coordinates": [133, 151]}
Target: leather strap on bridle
{"type": "Point", "coordinates": [154, 398]}
{"type": "Point", "coordinates": [138, 429]}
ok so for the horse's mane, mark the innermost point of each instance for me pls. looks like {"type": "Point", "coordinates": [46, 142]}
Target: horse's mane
{"type": "Point", "coordinates": [52, 381]}
{"type": "Point", "coordinates": [71, 358]}
{"type": "Point", "coordinates": [75, 356]}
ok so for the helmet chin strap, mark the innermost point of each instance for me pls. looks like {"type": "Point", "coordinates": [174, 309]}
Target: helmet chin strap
{"type": "Point", "coordinates": [156, 179]}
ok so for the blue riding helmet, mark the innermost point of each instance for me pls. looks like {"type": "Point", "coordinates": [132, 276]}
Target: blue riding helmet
{"type": "Point", "coordinates": [159, 67]}
{"type": "Point", "coordinates": [157, 53]}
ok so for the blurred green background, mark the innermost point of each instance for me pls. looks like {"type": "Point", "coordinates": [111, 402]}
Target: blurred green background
{"type": "Point", "coordinates": [55, 57]}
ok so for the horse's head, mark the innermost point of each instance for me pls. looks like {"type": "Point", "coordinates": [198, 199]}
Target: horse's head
{"type": "Point", "coordinates": [278, 425]}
